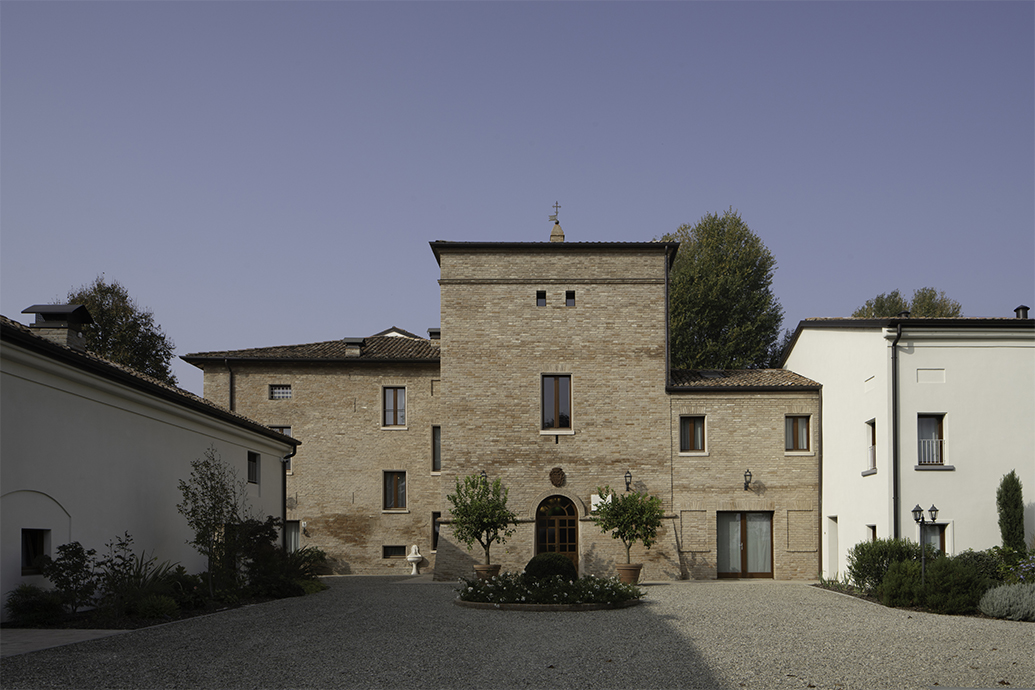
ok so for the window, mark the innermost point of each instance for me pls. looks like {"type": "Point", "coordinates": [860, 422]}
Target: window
{"type": "Point", "coordinates": [796, 433]}
{"type": "Point", "coordinates": [393, 552]}
{"type": "Point", "coordinates": [280, 391]}
{"type": "Point", "coordinates": [395, 491]}
{"type": "Point", "coordinates": [556, 402]}
{"type": "Point", "coordinates": [933, 534]}
{"type": "Point", "coordinates": [691, 434]}
{"type": "Point", "coordinates": [34, 548]}
{"type": "Point", "coordinates": [291, 531]}
{"type": "Point", "coordinates": [569, 298]}
{"type": "Point", "coordinates": [435, 527]}
{"type": "Point", "coordinates": [436, 449]}
{"type": "Point", "coordinates": [253, 468]}
{"type": "Point", "coordinates": [872, 529]}
{"type": "Point", "coordinates": [394, 407]}
{"type": "Point", "coordinates": [930, 441]}
{"type": "Point", "coordinates": [540, 298]}
{"type": "Point", "coordinates": [871, 452]}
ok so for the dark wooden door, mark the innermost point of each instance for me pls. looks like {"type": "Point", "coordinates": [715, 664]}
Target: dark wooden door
{"type": "Point", "coordinates": [557, 528]}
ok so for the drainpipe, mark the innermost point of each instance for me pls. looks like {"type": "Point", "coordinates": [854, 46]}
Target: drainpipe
{"type": "Point", "coordinates": [895, 500]}
{"type": "Point", "coordinates": [230, 394]}
{"type": "Point", "coordinates": [283, 497]}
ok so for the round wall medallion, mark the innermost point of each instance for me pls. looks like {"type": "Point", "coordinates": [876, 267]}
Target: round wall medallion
{"type": "Point", "coordinates": [557, 476]}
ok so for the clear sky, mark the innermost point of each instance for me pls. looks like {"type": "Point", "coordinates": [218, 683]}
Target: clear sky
{"type": "Point", "coordinates": [271, 173]}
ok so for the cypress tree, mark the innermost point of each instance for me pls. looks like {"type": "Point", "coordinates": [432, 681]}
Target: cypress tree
{"type": "Point", "coordinates": [1010, 503]}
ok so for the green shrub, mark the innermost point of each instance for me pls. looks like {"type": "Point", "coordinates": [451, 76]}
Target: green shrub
{"type": "Point", "coordinates": [156, 606]}
{"type": "Point", "coordinates": [31, 606]}
{"type": "Point", "coordinates": [515, 588]}
{"type": "Point", "coordinates": [1014, 567]}
{"type": "Point", "coordinates": [868, 561]}
{"type": "Point", "coordinates": [126, 577]}
{"type": "Point", "coordinates": [901, 585]}
{"type": "Point", "coordinates": [312, 586]}
{"type": "Point", "coordinates": [548, 565]}
{"type": "Point", "coordinates": [1010, 504]}
{"type": "Point", "coordinates": [953, 587]}
{"type": "Point", "coordinates": [1013, 602]}
{"type": "Point", "coordinates": [72, 574]}
{"type": "Point", "coordinates": [985, 562]}
{"type": "Point", "coordinates": [188, 591]}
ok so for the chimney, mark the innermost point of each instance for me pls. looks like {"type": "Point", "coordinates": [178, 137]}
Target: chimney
{"type": "Point", "coordinates": [1021, 312]}
{"type": "Point", "coordinates": [435, 335]}
{"type": "Point", "coordinates": [353, 346]}
{"type": "Point", "coordinates": [903, 315]}
{"type": "Point", "coordinates": [61, 323]}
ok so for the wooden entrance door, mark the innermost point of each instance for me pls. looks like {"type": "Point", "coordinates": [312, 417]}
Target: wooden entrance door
{"type": "Point", "coordinates": [557, 528]}
{"type": "Point", "coordinates": [745, 546]}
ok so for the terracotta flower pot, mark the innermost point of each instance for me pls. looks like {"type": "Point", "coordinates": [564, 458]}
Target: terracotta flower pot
{"type": "Point", "coordinates": [486, 572]}
{"type": "Point", "coordinates": [629, 573]}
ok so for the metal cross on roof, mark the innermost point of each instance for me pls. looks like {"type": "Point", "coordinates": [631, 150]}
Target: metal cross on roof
{"type": "Point", "coordinates": [556, 208]}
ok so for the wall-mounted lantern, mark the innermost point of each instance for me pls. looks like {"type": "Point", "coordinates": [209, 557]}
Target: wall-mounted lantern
{"type": "Point", "coordinates": [628, 480]}
{"type": "Point", "coordinates": [747, 480]}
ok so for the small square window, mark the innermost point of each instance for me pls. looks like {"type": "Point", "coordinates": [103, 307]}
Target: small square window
{"type": "Point", "coordinates": [569, 298]}
{"type": "Point", "coordinates": [691, 434]}
{"type": "Point", "coordinates": [34, 548]}
{"type": "Point", "coordinates": [395, 491]}
{"type": "Point", "coordinates": [394, 407]}
{"type": "Point", "coordinates": [796, 433]}
{"type": "Point", "coordinates": [393, 552]}
{"type": "Point", "coordinates": [253, 468]}
{"type": "Point", "coordinates": [436, 449]}
{"type": "Point", "coordinates": [540, 298]}
{"type": "Point", "coordinates": [556, 402]}
{"type": "Point", "coordinates": [280, 391]}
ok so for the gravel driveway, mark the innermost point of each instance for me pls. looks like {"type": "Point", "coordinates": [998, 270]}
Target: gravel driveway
{"type": "Point", "coordinates": [395, 632]}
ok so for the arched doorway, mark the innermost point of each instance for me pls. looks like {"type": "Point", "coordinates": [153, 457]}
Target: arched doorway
{"type": "Point", "coordinates": [557, 527]}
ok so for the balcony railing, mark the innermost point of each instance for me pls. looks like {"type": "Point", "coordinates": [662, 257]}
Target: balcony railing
{"type": "Point", "coordinates": [931, 452]}
{"type": "Point", "coordinates": [871, 458]}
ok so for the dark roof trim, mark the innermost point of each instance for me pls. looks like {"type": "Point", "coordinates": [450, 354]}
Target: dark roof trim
{"type": "Point", "coordinates": [742, 389]}
{"type": "Point", "coordinates": [101, 367]}
{"type": "Point", "coordinates": [195, 359]}
{"type": "Point", "coordinates": [669, 248]}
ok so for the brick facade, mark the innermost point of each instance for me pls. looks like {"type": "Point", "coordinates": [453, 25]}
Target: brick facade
{"type": "Point", "coordinates": [594, 314]}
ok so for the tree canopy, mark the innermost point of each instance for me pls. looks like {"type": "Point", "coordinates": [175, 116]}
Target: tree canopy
{"type": "Point", "coordinates": [122, 331]}
{"type": "Point", "coordinates": [926, 302]}
{"type": "Point", "coordinates": [722, 310]}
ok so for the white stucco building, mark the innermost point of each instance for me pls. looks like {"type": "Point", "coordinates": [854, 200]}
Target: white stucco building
{"type": "Point", "coordinates": [91, 450]}
{"type": "Point", "coordinates": [924, 412]}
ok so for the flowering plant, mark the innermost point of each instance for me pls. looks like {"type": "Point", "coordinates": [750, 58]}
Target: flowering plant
{"type": "Point", "coordinates": [515, 588]}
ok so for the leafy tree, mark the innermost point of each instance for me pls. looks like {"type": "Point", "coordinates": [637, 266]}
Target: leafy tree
{"type": "Point", "coordinates": [122, 331]}
{"type": "Point", "coordinates": [632, 517]}
{"type": "Point", "coordinates": [1010, 502]}
{"type": "Point", "coordinates": [722, 309]}
{"type": "Point", "coordinates": [926, 302]}
{"type": "Point", "coordinates": [214, 502]}
{"type": "Point", "coordinates": [480, 513]}
{"type": "Point", "coordinates": [72, 574]}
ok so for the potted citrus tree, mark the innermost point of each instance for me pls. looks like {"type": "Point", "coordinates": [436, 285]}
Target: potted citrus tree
{"type": "Point", "coordinates": [479, 514]}
{"type": "Point", "coordinates": [632, 517]}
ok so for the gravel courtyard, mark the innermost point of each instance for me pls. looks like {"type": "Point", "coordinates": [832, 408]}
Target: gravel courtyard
{"type": "Point", "coordinates": [396, 632]}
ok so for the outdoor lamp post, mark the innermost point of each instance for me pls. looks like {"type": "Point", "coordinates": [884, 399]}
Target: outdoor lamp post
{"type": "Point", "coordinates": [918, 516]}
{"type": "Point", "coordinates": [747, 479]}
{"type": "Point", "coordinates": [485, 477]}
{"type": "Point", "coordinates": [628, 480]}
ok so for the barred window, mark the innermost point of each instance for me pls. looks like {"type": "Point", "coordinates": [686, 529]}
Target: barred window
{"type": "Point", "coordinates": [280, 391]}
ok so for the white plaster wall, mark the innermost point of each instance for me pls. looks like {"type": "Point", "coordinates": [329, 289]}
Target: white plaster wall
{"type": "Point", "coordinates": [853, 367]}
{"type": "Point", "coordinates": [988, 399]}
{"type": "Point", "coordinates": [90, 459]}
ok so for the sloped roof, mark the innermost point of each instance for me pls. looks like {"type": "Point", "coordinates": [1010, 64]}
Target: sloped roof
{"type": "Point", "coordinates": [17, 333]}
{"type": "Point", "coordinates": [375, 348]}
{"type": "Point", "coordinates": [739, 379]}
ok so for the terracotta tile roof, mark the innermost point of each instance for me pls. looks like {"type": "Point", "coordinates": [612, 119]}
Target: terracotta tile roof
{"type": "Point", "coordinates": [376, 347]}
{"type": "Point", "coordinates": [14, 331]}
{"type": "Point", "coordinates": [768, 379]}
